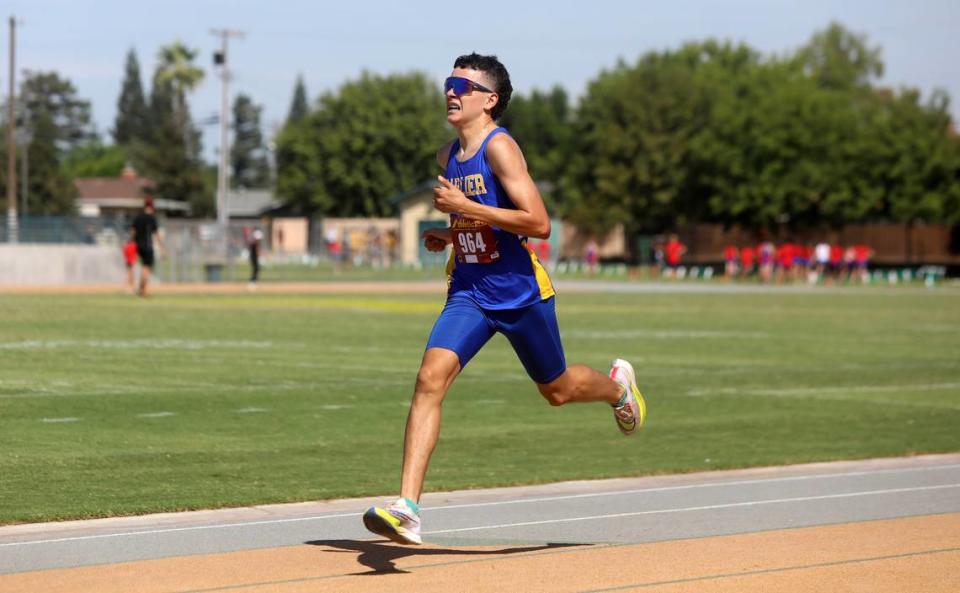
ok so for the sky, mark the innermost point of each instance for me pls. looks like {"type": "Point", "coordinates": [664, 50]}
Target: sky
{"type": "Point", "coordinates": [542, 43]}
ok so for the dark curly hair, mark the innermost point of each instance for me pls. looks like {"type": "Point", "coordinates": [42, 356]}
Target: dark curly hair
{"type": "Point", "coordinates": [497, 73]}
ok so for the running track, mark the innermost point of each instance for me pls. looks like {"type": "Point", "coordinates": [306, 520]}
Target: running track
{"type": "Point", "coordinates": [877, 526]}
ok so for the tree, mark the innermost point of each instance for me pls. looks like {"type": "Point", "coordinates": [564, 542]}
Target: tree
{"type": "Point", "coordinates": [57, 121]}
{"type": "Point", "coordinates": [839, 59]}
{"type": "Point", "coordinates": [779, 149]}
{"type": "Point", "coordinates": [542, 123]}
{"type": "Point", "coordinates": [171, 156]}
{"type": "Point", "coordinates": [376, 137]}
{"type": "Point", "coordinates": [94, 159]}
{"type": "Point", "coordinates": [176, 68]}
{"type": "Point", "coordinates": [632, 156]}
{"type": "Point", "coordinates": [131, 122]}
{"type": "Point", "coordinates": [46, 95]}
{"type": "Point", "coordinates": [911, 155]}
{"type": "Point", "coordinates": [298, 107]}
{"type": "Point", "coordinates": [248, 155]}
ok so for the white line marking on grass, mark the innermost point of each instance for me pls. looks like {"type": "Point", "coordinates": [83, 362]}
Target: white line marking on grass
{"type": "Point", "coordinates": [801, 391]}
{"type": "Point", "coordinates": [663, 333]}
{"type": "Point", "coordinates": [59, 420]}
{"type": "Point", "coordinates": [156, 415]}
{"type": "Point", "coordinates": [161, 344]}
{"type": "Point", "coordinates": [336, 407]}
{"type": "Point", "coordinates": [354, 515]}
{"type": "Point", "coordinates": [251, 410]}
{"type": "Point", "coordinates": [699, 508]}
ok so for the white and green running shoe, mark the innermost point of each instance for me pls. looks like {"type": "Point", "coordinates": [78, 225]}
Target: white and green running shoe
{"type": "Point", "coordinates": [398, 521]}
{"type": "Point", "coordinates": [631, 410]}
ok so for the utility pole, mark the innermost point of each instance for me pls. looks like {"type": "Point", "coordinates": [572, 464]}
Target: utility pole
{"type": "Point", "coordinates": [12, 234]}
{"type": "Point", "coordinates": [223, 172]}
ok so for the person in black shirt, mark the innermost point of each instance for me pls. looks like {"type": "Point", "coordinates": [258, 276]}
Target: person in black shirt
{"type": "Point", "coordinates": [143, 231]}
{"type": "Point", "coordinates": [254, 247]}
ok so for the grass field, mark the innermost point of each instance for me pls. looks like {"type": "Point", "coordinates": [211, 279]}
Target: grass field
{"type": "Point", "coordinates": [111, 405]}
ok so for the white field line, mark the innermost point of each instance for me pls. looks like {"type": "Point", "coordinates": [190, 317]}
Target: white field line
{"type": "Point", "coordinates": [711, 507]}
{"type": "Point", "coordinates": [156, 415]}
{"type": "Point", "coordinates": [161, 344]}
{"type": "Point", "coordinates": [540, 500]}
{"type": "Point", "coordinates": [251, 410]}
{"type": "Point", "coordinates": [663, 334]}
{"type": "Point", "coordinates": [59, 420]}
{"type": "Point", "coordinates": [801, 391]}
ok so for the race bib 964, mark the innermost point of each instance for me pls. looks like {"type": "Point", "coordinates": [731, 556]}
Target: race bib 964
{"type": "Point", "coordinates": [474, 242]}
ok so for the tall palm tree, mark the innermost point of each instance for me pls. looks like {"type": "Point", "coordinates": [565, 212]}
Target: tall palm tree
{"type": "Point", "coordinates": [176, 68]}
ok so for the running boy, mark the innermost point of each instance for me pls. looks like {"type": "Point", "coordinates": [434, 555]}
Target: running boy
{"type": "Point", "coordinates": [495, 285]}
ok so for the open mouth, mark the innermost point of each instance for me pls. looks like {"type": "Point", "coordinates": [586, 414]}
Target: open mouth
{"type": "Point", "coordinates": [453, 107]}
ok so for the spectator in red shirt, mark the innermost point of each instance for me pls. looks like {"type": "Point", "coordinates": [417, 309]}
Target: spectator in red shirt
{"type": "Point", "coordinates": [747, 255]}
{"type": "Point", "coordinates": [784, 261]}
{"type": "Point", "coordinates": [730, 258]}
{"type": "Point", "coordinates": [674, 251]}
{"type": "Point", "coordinates": [861, 258]}
{"type": "Point", "coordinates": [836, 261]}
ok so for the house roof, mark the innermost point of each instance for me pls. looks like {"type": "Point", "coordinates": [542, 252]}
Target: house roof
{"type": "Point", "coordinates": [246, 203]}
{"type": "Point", "coordinates": [125, 192]}
{"type": "Point", "coordinates": [95, 188]}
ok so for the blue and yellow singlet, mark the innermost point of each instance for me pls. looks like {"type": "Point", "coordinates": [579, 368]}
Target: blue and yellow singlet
{"type": "Point", "coordinates": [488, 264]}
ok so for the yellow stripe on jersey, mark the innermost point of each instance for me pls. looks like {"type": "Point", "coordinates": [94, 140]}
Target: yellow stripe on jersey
{"type": "Point", "coordinates": [539, 272]}
{"type": "Point", "coordinates": [543, 279]}
{"type": "Point", "coordinates": [451, 263]}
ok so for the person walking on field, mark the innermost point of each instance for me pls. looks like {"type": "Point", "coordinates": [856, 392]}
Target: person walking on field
{"type": "Point", "coordinates": [495, 285]}
{"type": "Point", "coordinates": [253, 247]}
{"type": "Point", "coordinates": [144, 231]}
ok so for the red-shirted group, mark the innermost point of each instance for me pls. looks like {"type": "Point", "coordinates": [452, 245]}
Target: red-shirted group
{"type": "Point", "coordinates": [798, 262]}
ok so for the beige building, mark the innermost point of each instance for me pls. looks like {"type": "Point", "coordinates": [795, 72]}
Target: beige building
{"type": "Point", "coordinates": [416, 215]}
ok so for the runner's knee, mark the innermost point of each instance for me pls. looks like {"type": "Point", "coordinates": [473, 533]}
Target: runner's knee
{"type": "Point", "coordinates": [553, 393]}
{"type": "Point", "coordinates": [430, 383]}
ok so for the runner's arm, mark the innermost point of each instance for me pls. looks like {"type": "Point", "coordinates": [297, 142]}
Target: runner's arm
{"type": "Point", "coordinates": [530, 218]}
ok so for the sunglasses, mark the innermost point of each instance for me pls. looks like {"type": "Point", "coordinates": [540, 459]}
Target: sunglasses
{"type": "Point", "coordinates": [462, 86]}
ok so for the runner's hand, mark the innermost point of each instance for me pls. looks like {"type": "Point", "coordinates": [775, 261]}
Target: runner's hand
{"type": "Point", "coordinates": [447, 198]}
{"type": "Point", "coordinates": [436, 239]}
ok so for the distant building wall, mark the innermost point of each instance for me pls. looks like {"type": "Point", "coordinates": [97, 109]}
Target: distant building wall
{"type": "Point", "coordinates": [288, 235]}
{"type": "Point", "coordinates": [893, 244]}
{"type": "Point", "coordinates": [60, 265]}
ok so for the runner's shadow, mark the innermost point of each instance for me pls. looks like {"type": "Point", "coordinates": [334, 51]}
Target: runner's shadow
{"type": "Point", "coordinates": [380, 556]}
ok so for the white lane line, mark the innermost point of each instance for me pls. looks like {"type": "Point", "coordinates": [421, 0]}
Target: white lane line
{"type": "Point", "coordinates": [481, 504]}
{"type": "Point", "coordinates": [699, 508]}
{"type": "Point", "coordinates": [59, 420]}
{"type": "Point", "coordinates": [695, 486]}
{"type": "Point", "coordinates": [175, 530]}
{"type": "Point", "coordinates": [156, 415]}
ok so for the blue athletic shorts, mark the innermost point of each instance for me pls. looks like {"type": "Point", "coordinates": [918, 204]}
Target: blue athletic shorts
{"type": "Point", "coordinates": [464, 327]}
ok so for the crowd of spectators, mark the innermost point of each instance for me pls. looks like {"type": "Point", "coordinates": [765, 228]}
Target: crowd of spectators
{"type": "Point", "coordinates": [790, 262]}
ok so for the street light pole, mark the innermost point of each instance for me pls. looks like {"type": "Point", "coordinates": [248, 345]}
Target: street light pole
{"type": "Point", "coordinates": [223, 172]}
{"type": "Point", "coordinates": [12, 229]}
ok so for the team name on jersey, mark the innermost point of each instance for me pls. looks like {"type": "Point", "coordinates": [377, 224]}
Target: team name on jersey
{"type": "Point", "coordinates": [471, 185]}
{"type": "Point", "coordinates": [460, 223]}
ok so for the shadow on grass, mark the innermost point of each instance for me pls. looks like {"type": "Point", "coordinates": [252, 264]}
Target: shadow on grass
{"type": "Point", "coordinates": [379, 556]}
